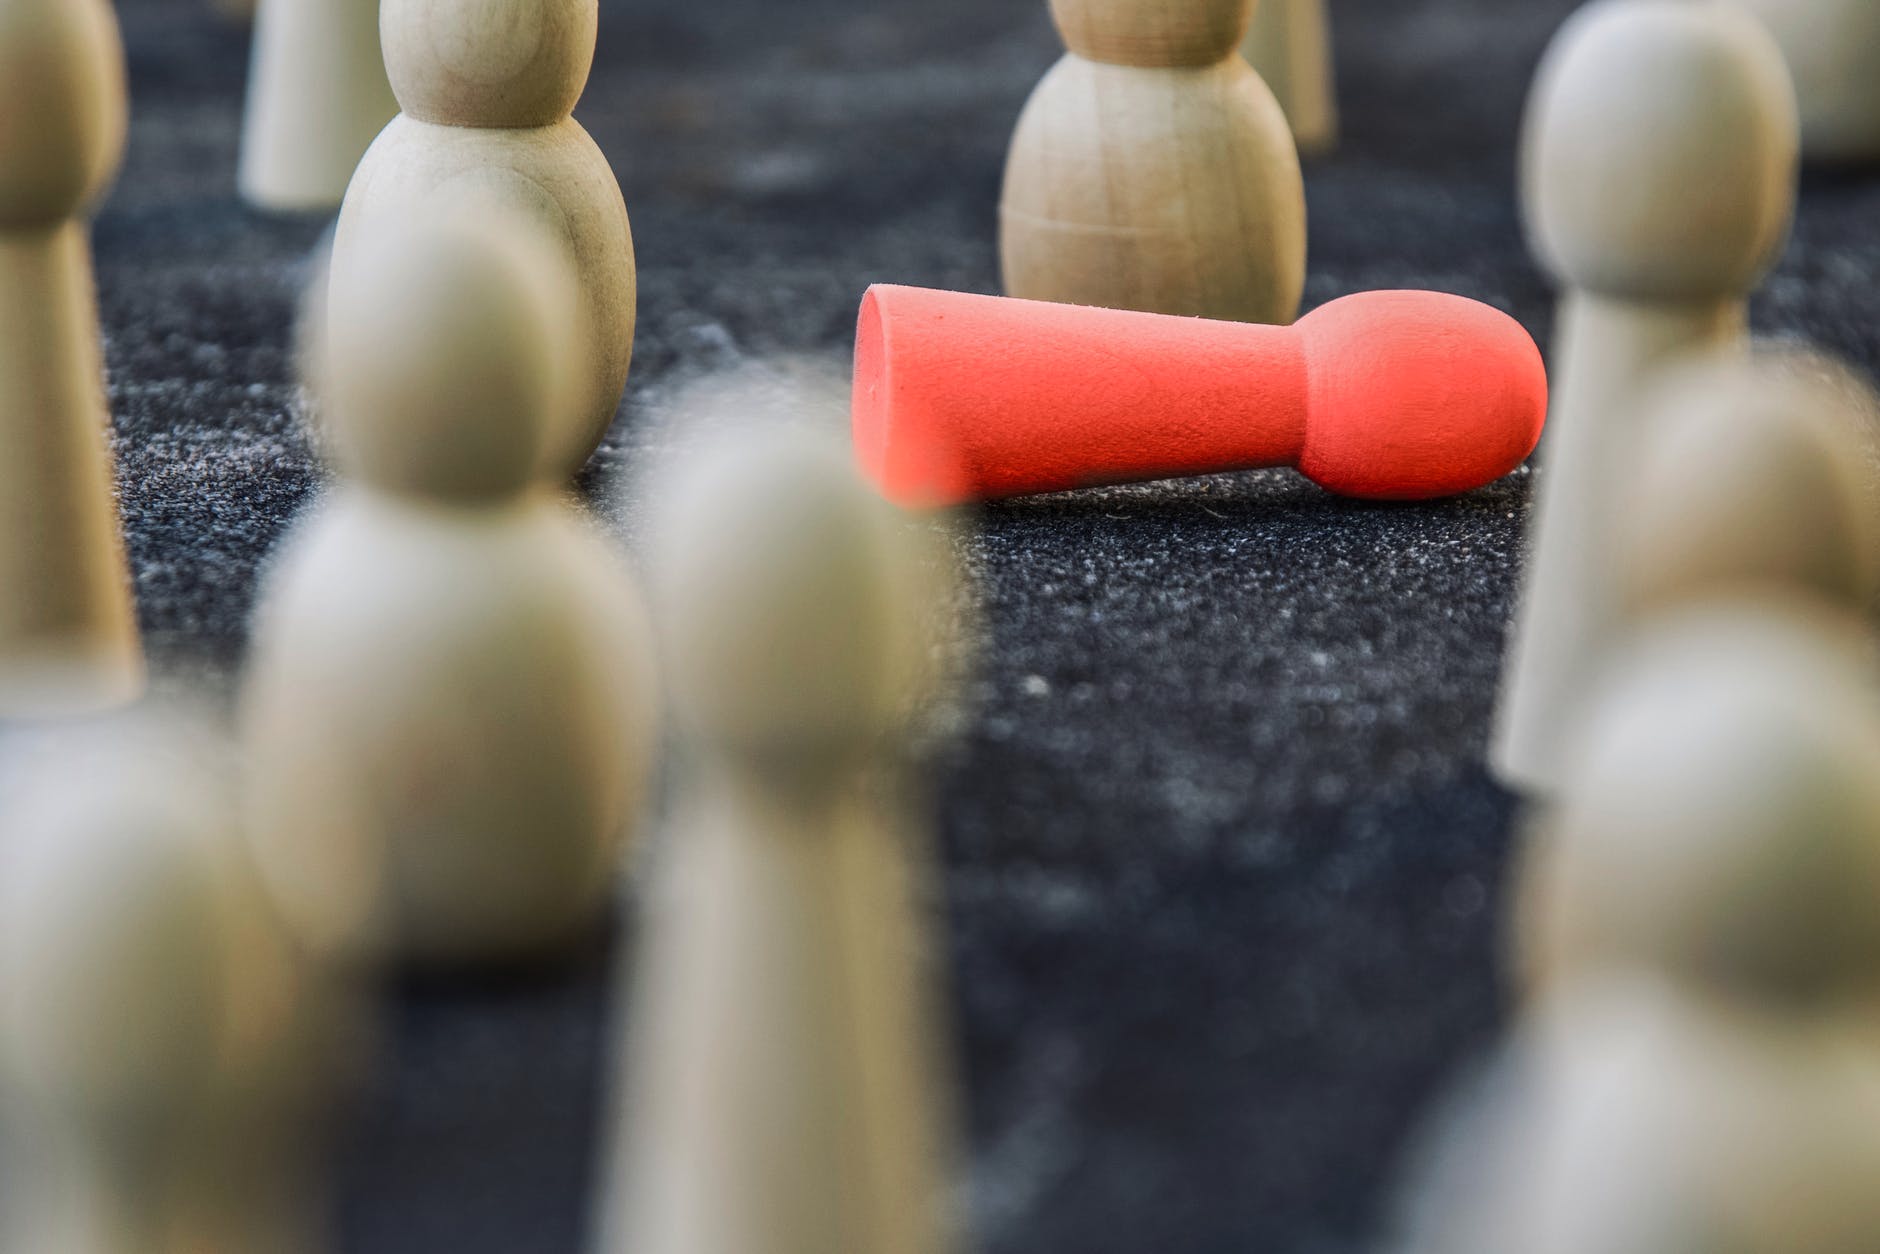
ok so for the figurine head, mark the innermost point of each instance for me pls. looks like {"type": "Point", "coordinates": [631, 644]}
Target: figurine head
{"type": "Point", "coordinates": [488, 63]}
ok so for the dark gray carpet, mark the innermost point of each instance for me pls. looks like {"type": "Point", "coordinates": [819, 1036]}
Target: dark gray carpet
{"type": "Point", "coordinates": [1223, 869]}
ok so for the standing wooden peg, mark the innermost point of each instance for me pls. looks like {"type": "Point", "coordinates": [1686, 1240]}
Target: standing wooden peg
{"type": "Point", "coordinates": [1289, 45]}
{"type": "Point", "coordinates": [317, 95]}
{"type": "Point", "coordinates": [488, 92]}
{"type": "Point", "coordinates": [448, 707]}
{"type": "Point", "coordinates": [1833, 50]}
{"type": "Point", "coordinates": [68, 631]}
{"type": "Point", "coordinates": [784, 1091]}
{"type": "Point", "coordinates": [1152, 169]}
{"type": "Point", "coordinates": [1637, 102]}
{"type": "Point", "coordinates": [1752, 477]}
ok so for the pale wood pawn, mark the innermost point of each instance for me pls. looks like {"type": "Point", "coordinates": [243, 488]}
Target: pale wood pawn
{"type": "Point", "coordinates": [1289, 45]}
{"type": "Point", "coordinates": [1638, 102]}
{"type": "Point", "coordinates": [1752, 476]}
{"type": "Point", "coordinates": [167, 1059]}
{"type": "Point", "coordinates": [68, 627]}
{"type": "Point", "coordinates": [1720, 827]}
{"type": "Point", "coordinates": [447, 707]}
{"type": "Point", "coordinates": [1152, 169]}
{"type": "Point", "coordinates": [1833, 50]}
{"type": "Point", "coordinates": [1695, 1066]}
{"type": "Point", "coordinates": [488, 90]}
{"type": "Point", "coordinates": [1755, 545]}
{"type": "Point", "coordinates": [1717, 858]}
{"type": "Point", "coordinates": [786, 1087]}
{"type": "Point", "coordinates": [317, 97]}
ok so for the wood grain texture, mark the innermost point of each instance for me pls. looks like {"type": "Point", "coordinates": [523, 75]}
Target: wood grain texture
{"type": "Point", "coordinates": [1171, 191]}
{"type": "Point", "coordinates": [1152, 32]}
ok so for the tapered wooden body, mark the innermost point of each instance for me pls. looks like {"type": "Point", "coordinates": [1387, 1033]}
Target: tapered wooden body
{"type": "Point", "coordinates": [1169, 190]}
{"type": "Point", "coordinates": [68, 631]}
{"type": "Point", "coordinates": [553, 175]}
{"type": "Point", "coordinates": [785, 1099]}
{"type": "Point", "coordinates": [1289, 45]}
{"type": "Point", "coordinates": [448, 727]}
{"type": "Point", "coordinates": [317, 95]}
{"type": "Point", "coordinates": [68, 635]}
{"type": "Point", "coordinates": [1572, 609]}
{"type": "Point", "coordinates": [785, 1087]}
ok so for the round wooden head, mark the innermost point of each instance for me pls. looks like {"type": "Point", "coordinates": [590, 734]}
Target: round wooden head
{"type": "Point", "coordinates": [787, 600]}
{"type": "Point", "coordinates": [1659, 160]}
{"type": "Point", "coordinates": [1753, 474]}
{"type": "Point", "coordinates": [450, 357]}
{"type": "Point", "coordinates": [488, 63]}
{"type": "Point", "coordinates": [62, 108]}
{"type": "Point", "coordinates": [1153, 32]}
{"type": "Point", "coordinates": [1720, 823]}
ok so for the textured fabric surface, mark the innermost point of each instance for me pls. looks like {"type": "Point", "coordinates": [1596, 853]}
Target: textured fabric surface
{"type": "Point", "coordinates": [1223, 869]}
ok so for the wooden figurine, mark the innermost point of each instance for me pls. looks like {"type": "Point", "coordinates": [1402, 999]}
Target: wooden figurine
{"type": "Point", "coordinates": [1152, 169]}
{"type": "Point", "coordinates": [786, 1089]}
{"type": "Point", "coordinates": [488, 92]}
{"type": "Point", "coordinates": [317, 97]}
{"type": "Point", "coordinates": [1637, 103]}
{"type": "Point", "coordinates": [1720, 821]}
{"type": "Point", "coordinates": [448, 707]}
{"type": "Point", "coordinates": [68, 627]}
{"type": "Point", "coordinates": [1833, 50]}
{"type": "Point", "coordinates": [1753, 476]}
{"type": "Point", "coordinates": [1289, 45]}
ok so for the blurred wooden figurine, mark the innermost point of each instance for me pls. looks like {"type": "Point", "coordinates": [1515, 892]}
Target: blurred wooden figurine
{"type": "Point", "coordinates": [1833, 50]}
{"type": "Point", "coordinates": [448, 707]}
{"type": "Point", "coordinates": [787, 1090]}
{"type": "Point", "coordinates": [168, 1060]}
{"type": "Point", "coordinates": [317, 96]}
{"type": "Point", "coordinates": [1753, 478]}
{"type": "Point", "coordinates": [1289, 45]}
